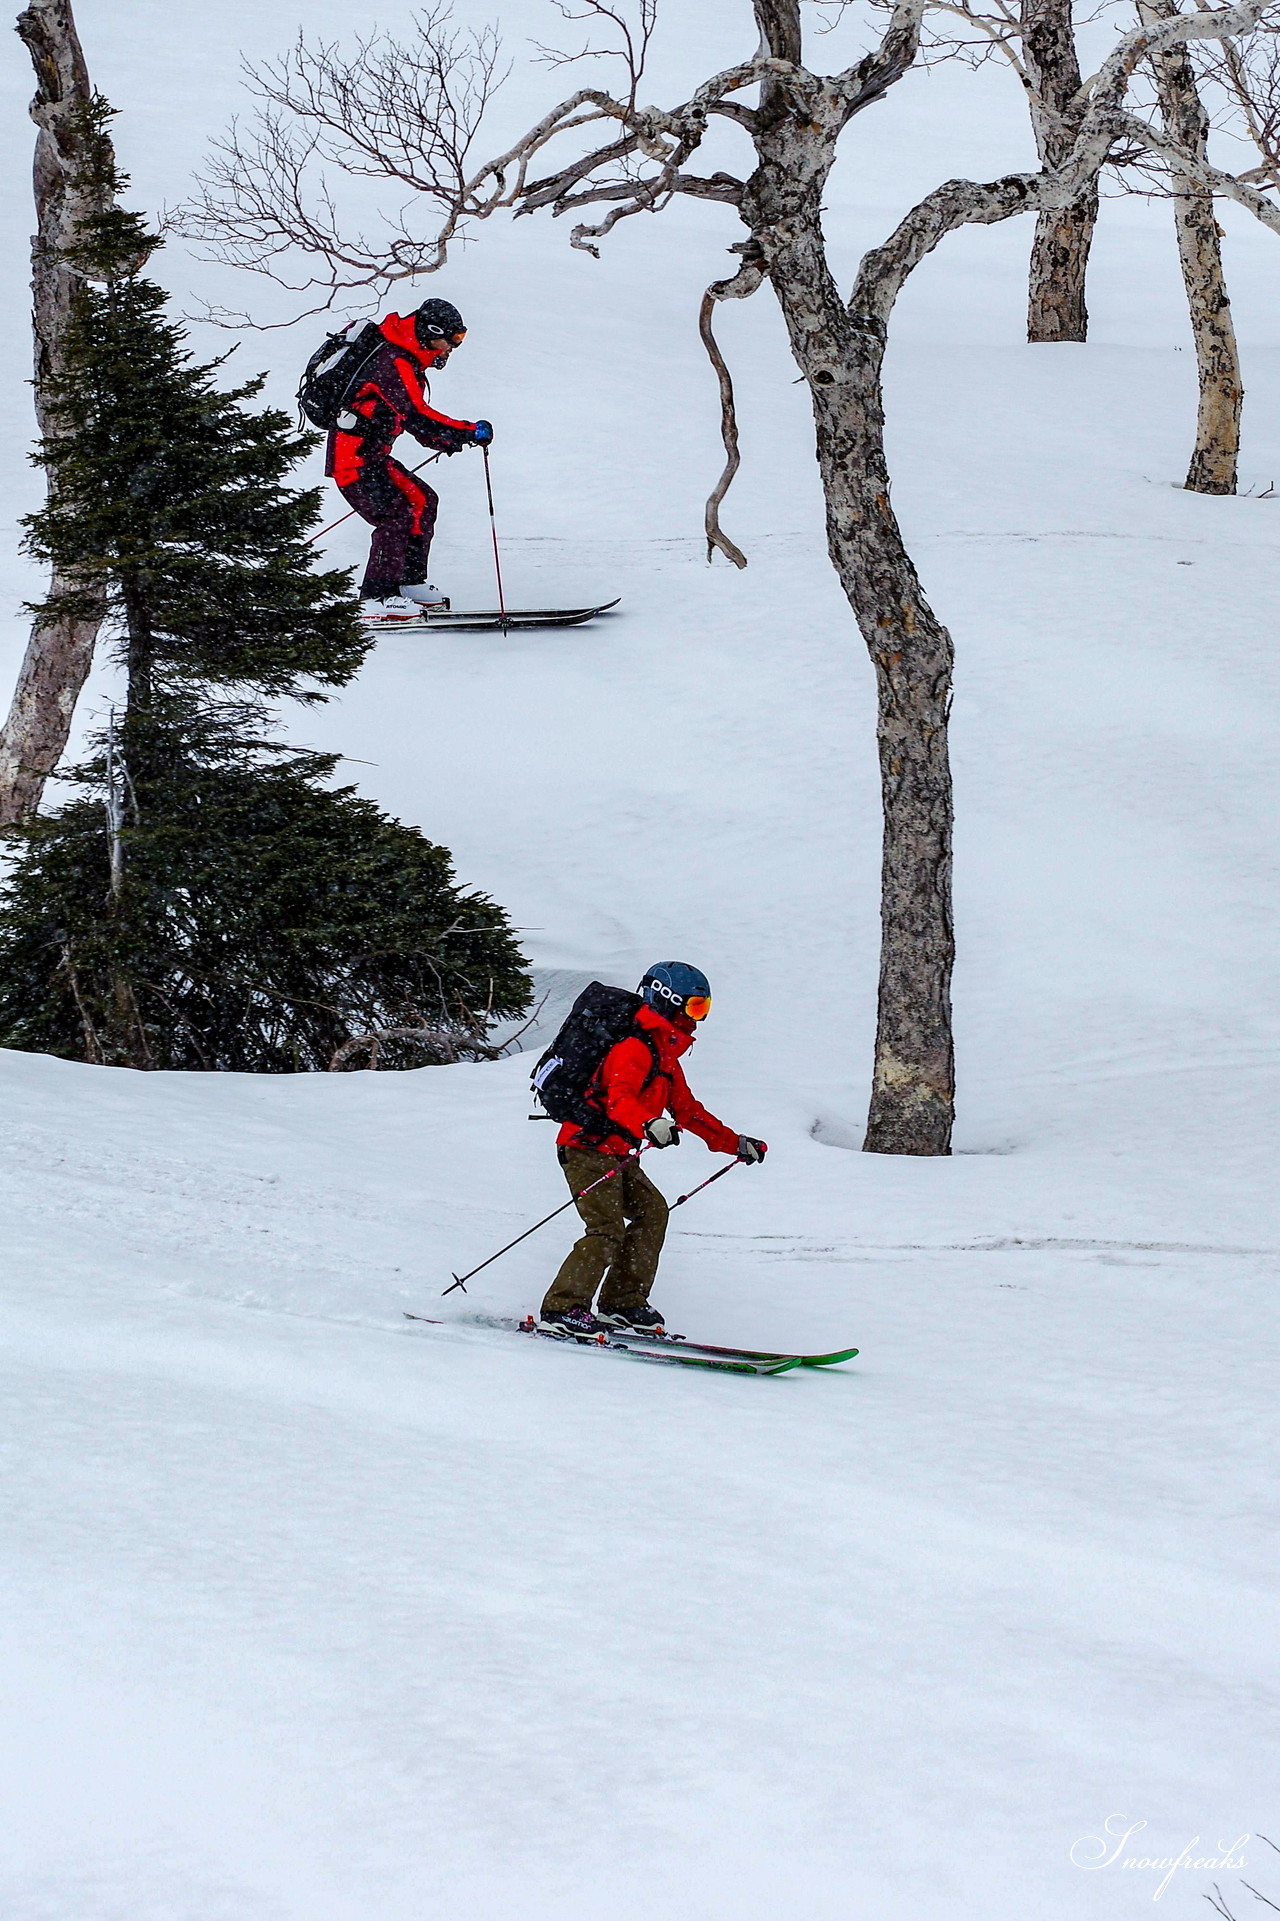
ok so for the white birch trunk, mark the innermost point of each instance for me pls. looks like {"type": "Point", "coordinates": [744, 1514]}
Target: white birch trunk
{"type": "Point", "coordinates": [60, 651]}
{"type": "Point", "coordinates": [1213, 463]}
{"type": "Point", "coordinates": [1056, 307]}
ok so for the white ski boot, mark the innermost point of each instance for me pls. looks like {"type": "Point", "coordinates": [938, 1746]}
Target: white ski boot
{"type": "Point", "coordinates": [391, 612]}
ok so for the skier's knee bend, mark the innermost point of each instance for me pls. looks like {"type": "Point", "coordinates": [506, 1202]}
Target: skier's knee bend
{"type": "Point", "coordinates": [608, 1238]}
{"type": "Point", "coordinates": [654, 1210]}
{"type": "Point", "coordinates": [651, 1226]}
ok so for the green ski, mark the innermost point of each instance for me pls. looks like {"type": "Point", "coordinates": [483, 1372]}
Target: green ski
{"type": "Point", "coordinates": [767, 1362]}
{"type": "Point", "coordinates": [728, 1363]}
{"type": "Point", "coordinates": [667, 1349]}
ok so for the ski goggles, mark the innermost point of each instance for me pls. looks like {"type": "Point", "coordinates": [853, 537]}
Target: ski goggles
{"type": "Point", "coordinates": [454, 340]}
{"type": "Point", "coordinates": [698, 1006]}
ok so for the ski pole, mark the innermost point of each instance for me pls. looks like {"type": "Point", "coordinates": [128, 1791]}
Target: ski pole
{"type": "Point", "coordinates": [312, 538]}
{"type": "Point", "coordinates": [460, 1280]}
{"type": "Point", "coordinates": [701, 1184]}
{"type": "Point", "coordinates": [493, 529]}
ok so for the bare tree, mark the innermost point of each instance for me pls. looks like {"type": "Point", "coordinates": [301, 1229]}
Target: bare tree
{"type": "Point", "coordinates": [1241, 77]}
{"type": "Point", "coordinates": [1213, 461]}
{"type": "Point", "coordinates": [68, 192]}
{"type": "Point", "coordinates": [1037, 38]}
{"type": "Point", "coordinates": [1039, 41]}
{"type": "Point", "coordinates": [1056, 307]}
{"type": "Point", "coordinates": [255, 210]}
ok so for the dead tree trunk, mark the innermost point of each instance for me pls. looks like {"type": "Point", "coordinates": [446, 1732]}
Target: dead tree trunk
{"type": "Point", "coordinates": [913, 1086]}
{"type": "Point", "coordinates": [60, 651]}
{"type": "Point", "coordinates": [1056, 307]}
{"type": "Point", "coordinates": [1213, 464]}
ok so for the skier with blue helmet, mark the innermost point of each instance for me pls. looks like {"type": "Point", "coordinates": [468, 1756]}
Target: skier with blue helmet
{"type": "Point", "coordinates": [641, 1095]}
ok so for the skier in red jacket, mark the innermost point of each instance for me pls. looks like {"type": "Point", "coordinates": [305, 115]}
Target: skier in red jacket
{"type": "Point", "coordinates": [392, 397]}
{"type": "Point", "coordinates": [643, 1098]}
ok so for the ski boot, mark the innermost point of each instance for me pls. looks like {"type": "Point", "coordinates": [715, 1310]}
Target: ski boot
{"type": "Point", "coordinates": [391, 612]}
{"type": "Point", "coordinates": [571, 1323]}
{"type": "Point", "coordinates": [636, 1320]}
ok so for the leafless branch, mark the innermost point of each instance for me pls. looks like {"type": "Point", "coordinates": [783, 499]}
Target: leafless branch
{"type": "Point", "coordinates": [870, 79]}
{"type": "Point", "coordinates": [1217, 1900]}
{"type": "Point", "coordinates": [1108, 85]}
{"type": "Point", "coordinates": [444, 1045]}
{"type": "Point", "coordinates": [523, 1029]}
{"type": "Point", "coordinates": [634, 34]}
{"type": "Point", "coordinates": [669, 138]}
{"type": "Point", "coordinates": [998, 32]}
{"type": "Point", "coordinates": [1229, 186]}
{"type": "Point", "coordinates": [407, 115]}
{"type": "Point", "coordinates": [836, 9]}
{"type": "Point", "coordinates": [1246, 74]}
{"type": "Point", "coordinates": [402, 114]}
{"type": "Point", "coordinates": [982, 33]}
{"type": "Point", "coordinates": [739, 287]}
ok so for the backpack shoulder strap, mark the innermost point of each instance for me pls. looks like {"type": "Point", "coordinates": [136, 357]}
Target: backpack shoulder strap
{"type": "Point", "coordinates": [594, 1094]}
{"type": "Point", "coordinates": [642, 1034]}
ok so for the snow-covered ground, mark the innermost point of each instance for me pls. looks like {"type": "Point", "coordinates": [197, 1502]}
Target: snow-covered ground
{"type": "Point", "coordinates": [311, 1612]}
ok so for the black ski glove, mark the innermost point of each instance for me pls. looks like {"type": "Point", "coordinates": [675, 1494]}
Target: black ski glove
{"type": "Point", "coordinates": [750, 1150]}
{"type": "Point", "coordinates": [482, 433]}
{"type": "Point", "coordinates": [662, 1132]}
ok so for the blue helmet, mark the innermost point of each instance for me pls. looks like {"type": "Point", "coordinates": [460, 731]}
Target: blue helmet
{"type": "Point", "coordinates": [673, 987]}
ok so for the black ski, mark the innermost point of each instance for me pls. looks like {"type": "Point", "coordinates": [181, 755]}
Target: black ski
{"type": "Point", "coordinates": [491, 620]}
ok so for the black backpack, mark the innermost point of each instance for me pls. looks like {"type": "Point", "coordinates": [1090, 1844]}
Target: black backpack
{"type": "Point", "coordinates": [599, 1018]}
{"type": "Point", "coordinates": [333, 370]}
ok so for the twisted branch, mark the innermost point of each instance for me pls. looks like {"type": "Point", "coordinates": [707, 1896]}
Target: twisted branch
{"type": "Point", "coordinates": [739, 287]}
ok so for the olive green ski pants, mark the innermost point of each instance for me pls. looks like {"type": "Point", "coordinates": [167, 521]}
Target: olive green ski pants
{"type": "Point", "coordinates": [626, 1221]}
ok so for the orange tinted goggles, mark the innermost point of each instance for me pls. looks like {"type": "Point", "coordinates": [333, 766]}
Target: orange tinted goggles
{"type": "Point", "coordinates": [698, 1006]}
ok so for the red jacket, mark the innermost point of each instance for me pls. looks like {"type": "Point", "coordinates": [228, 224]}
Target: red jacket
{"type": "Point", "coordinates": [633, 1088]}
{"type": "Point", "coordinates": [393, 398]}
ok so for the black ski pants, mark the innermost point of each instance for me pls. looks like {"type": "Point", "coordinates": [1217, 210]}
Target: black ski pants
{"type": "Point", "coordinates": [402, 509]}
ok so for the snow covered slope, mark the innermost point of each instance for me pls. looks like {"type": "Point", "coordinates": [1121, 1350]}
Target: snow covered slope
{"type": "Point", "coordinates": [311, 1612]}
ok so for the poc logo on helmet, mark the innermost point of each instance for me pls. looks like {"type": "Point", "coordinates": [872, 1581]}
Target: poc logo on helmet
{"type": "Point", "coordinates": [677, 987]}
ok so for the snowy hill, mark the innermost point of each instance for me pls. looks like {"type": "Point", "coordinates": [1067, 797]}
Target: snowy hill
{"type": "Point", "coordinates": [313, 1613]}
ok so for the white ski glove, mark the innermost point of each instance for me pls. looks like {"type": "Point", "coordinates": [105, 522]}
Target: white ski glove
{"type": "Point", "coordinates": [662, 1132]}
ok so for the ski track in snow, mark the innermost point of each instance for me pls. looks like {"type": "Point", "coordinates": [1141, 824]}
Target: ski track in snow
{"type": "Point", "coordinates": [310, 1613]}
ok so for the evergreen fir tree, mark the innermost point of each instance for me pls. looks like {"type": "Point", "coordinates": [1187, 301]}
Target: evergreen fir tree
{"type": "Point", "coordinates": [210, 902]}
{"type": "Point", "coordinates": [175, 495]}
